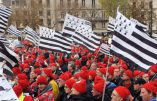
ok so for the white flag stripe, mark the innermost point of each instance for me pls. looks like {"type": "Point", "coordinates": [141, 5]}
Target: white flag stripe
{"type": "Point", "coordinates": [125, 54]}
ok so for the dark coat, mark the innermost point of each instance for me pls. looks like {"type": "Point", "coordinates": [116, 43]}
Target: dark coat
{"type": "Point", "coordinates": [80, 97]}
{"type": "Point", "coordinates": [61, 94]}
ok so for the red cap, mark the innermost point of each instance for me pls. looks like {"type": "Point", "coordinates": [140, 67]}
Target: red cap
{"type": "Point", "coordinates": [136, 73]}
{"type": "Point", "coordinates": [84, 75]}
{"type": "Point", "coordinates": [53, 64]}
{"type": "Point", "coordinates": [105, 58]}
{"type": "Point", "coordinates": [70, 83]}
{"type": "Point", "coordinates": [60, 61]}
{"type": "Point", "coordinates": [77, 62]}
{"type": "Point", "coordinates": [153, 68]}
{"type": "Point", "coordinates": [121, 62]}
{"type": "Point", "coordinates": [122, 92]}
{"type": "Point", "coordinates": [84, 58]}
{"type": "Point", "coordinates": [42, 80]}
{"type": "Point", "coordinates": [99, 87]}
{"type": "Point", "coordinates": [37, 71]}
{"type": "Point", "coordinates": [98, 79]}
{"type": "Point", "coordinates": [76, 75]}
{"type": "Point", "coordinates": [64, 76]}
{"type": "Point", "coordinates": [16, 71]}
{"type": "Point", "coordinates": [24, 83]}
{"type": "Point", "coordinates": [37, 64]}
{"type": "Point", "coordinates": [48, 72]}
{"type": "Point", "coordinates": [151, 87]}
{"type": "Point", "coordinates": [84, 68]}
{"type": "Point", "coordinates": [102, 70]}
{"type": "Point", "coordinates": [128, 73]}
{"type": "Point", "coordinates": [22, 76]}
{"type": "Point", "coordinates": [18, 90]}
{"type": "Point", "coordinates": [80, 86]}
{"type": "Point", "coordinates": [111, 70]}
{"type": "Point", "coordinates": [25, 65]}
{"type": "Point", "coordinates": [92, 73]}
{"type": "Point", "coordinates": [89, 62]}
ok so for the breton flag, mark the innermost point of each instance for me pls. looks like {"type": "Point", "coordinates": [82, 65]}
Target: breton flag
{"type": "Point", "coordinates": [31, 35]}
{"type": "Point", "coordinates": [13, 30]}
{"type": "Point", "coordinates": [54, 41]}
{"type": "Point", "coordinates": [136, 22]}
{"type": "Point", "coordinates": [133, 44]}
{"type": "Point", "coordinates": [5, 12]}
{"type": "Point", "coordinates": [10, 57]}
{"type": "Point", "coordinates": [85, 36]}
{"type": "Point", "coordinates": [111, 23]}
{"type": "Point", "coordinates": [105, 49]}
{"type": "Point", "coordinates": [4, 41]}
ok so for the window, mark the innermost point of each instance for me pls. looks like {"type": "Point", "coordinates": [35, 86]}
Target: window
{"type": "Point", "coordinates": [40, 1]}
{"type": "Point", "coordinates": [83, 3]}
{"type": "Point", "coordinates": [62, 15]}
{"type": "Point", "coordinates": [83, 14]}
{"type": "Point", "coordinates": [24, 3]}
{"type": "Point", "coordinates": [25, 12]}
{"type": "Point", "coordinates": [61, 3]}
{"type": "Point", "coordinates": [48, 13]}
{"type": "Point", "coordinates": [41, 21]}
{"type": "Point", "coordinates": [69, 3]}
{"type": "Point", "coordinates": [103, 14]}
{"type": "Point", "coordinates": [13, 2]}
{"type": "Point", "coordinates": [76, 3]}
{"type": "Point", "coordinates": [103, 24]}
{"type": "Point", "coordinates": [76, 14]}
{"type": "Point", "coordinates": [93, 14]}
{"type": "Point", "coordinates": [49, 22]}
{"type": "Point", "coordinates": [40, 13]}
{"type": "Point", "coordinates": [17, 3]}
{"type": "Point", "coordinates": [48, 3]}
{"type": "Point", "coordinates": [93, 3]}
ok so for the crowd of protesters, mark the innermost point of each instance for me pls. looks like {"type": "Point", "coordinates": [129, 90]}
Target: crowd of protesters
{"type": "Point", "coordinates": [43, 75]}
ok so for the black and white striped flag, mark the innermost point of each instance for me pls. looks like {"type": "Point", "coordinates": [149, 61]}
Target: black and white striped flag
{"type": "Point", "coordinates": [54, 41]}
{"type": "Point", "coordinates": [105, 49]}
{"type": "Point", "coordinates": [4, 41]}
{"type": "Point", "coordinates": [10, 57]}
{"type": "Point", "coordinates": [133, 44]}
{"type": "Point", "coordinates": [5, 12]}
{"type": "Point", "coordinates": [14, 31]}
{"type": "Point", "coordinates": [32, 35]}
{"type": "Point", "coordinates": [111, 23]}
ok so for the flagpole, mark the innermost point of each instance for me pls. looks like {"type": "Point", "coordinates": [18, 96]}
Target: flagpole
{"type": "Point", "coordinates": [1, 69]}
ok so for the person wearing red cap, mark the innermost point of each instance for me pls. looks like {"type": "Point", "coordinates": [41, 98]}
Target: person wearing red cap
{"type": "Point", "coordinates": [92, 75]}
{"type": "Point", "coordinates": [120, 93]}
{"type": "Point", "coordinates": [149, 91]}
{"type": "Point", "coordinates": [44, 90]}
{"type": "Point", "coordinates": [101, 72]}
{"type": "Point", "coordinates": [18, 91]}
{"type": "Point", "coordinates": [153, 70]}
{"type": "Point", "coordinates": [25, 86]}
{"type": "Point", "coordinates": [145, 76]}
{"type": "Point", "coordinates": [68, 86]}
{"type": "Point", "coordinates": [94, 66]}
{"type": "Point", "coordinates": [79, 92]}
{"type": "Point", "coordinates": [61, 83]}
{"type": "Point", "coordinates": [88, 63]}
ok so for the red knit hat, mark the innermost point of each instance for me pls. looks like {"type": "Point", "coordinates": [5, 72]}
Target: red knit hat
{"type": "Point", "coordinates": [70, 83]}
{"type": "Point", "coordinates": [122, 91]}
{"type": "Point", "coordinates": [42, 80]}
{"type": "Point", "coordinates": [84, 68]}
{"type": "Point", "coordinates": [128, 73]}
{"type": "Point", "coordinates": [64, 76]}
{"type": "Point", "coordinates": [136, 73]}
{"type": "Point", "coordinates": [25, 65]}
{"type": "Point", "coordinates": [80, 86]}
{"type": "Point", "coordinates": [16, 70]}
{"type": "Point", "coordinates": [53, 64]}
{"type": "Point", "coordinates": [102, 70]}
{"type": "Point", "coordinates": [22, 76]}
{"type": "Point", "coordinates": [92, 73]}
{"type": "Point", "coordinates": [60, 61]}
{"type": "Point", "coordinates": [111, 70]}
{"type": "Point", "coordinates": [76, 75]}
{"type": "Point", "coordinates": [124, 66]}
{"type": "Point", "coordinates": [89, 62]}
{"type": "Point", "coordinates": [153, 68]}
{"type": "Point", "coordinates": [48, 72]}
{"type": "Point", "coordinates": [84, 75]}
{"type": "Point", "coordinates": [151, 87]}
{"type": "Point", "coordinates": [121, 62]}
{"type": "Point", "coordinates": [98, 79]}
{"type": "Point", "coordinates": [105, 58]}
{"type": "Point", "coordinates": [18, 90]}
{"type": "Point", "coordinates": [37, 71]}
{"type": "Point", "coordinates": [77, 62]}
{"type": "Point", "coordinates": [24, 83]}
{"type": "Point", "coordinates": [99, 87]}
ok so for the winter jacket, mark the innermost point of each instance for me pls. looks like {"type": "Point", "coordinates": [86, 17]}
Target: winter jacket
{"type": "Point", "coordinates": [61, 94]}
{"type": "Point", "coordinates": [80, 97]}
{"type": "Point", "coordinates": [55, 88]}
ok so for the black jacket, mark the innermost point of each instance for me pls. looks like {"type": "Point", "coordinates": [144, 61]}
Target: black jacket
{"type": "Point", "coordinates": [61, 94]}
{"type": "Point", "coordinates": [80, 97]}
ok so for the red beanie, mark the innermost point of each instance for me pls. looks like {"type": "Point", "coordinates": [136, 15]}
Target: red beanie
{"type": "Point", "coordinates": [42, 80]}
{"type": "Point", "coordinates": [89, 62]}
{"type": "Point", "coordinates": [53, 64]}
{"type": "Point", "coordinates": [98, 79]}
{"type": "Point", "coordinates": [111, 70]}
{"type": "Point", "coordinates": [92, 73]}
{"type": "Point", "coordinates": [151, 87]}
{"type": "Point", "coordinates": [153, 68]}
{"type": "Point", "coordinates": [64, 76]}
{"type": "Point", "coordinates": [48, 72]}
{"type": "Point", "coordinates": [99, 87]}
{"type": "Point", "coordinates": [105, 58]}
{"type": "Point", "coordinates": [121, 62]}
{"type": "Point", "coordinates": [76, 75]}
{"type": "Point", "coordinates": [80, 86]}
{"type": "Point", "coordinates": [84, 58]}
{"type": "Point", "coordinates": [136, 73]}
{"type": "Point", "coordinates": [77, 62]}
{"type": "Point", "coordinates": [37, 71]}
{"type": "Point", "coordinates": [18, 90]}
{"type": "Point", "coordinates": [22, 76]}
{"type": "Point", "coordinates": [16, 71]}
{"type": "Point", "coordinates": [84, 75]}
{"type": "Point", "coordinates": [24, 83]}
{"type": "Point", "coordinates": [70, 83]}
{"type": "Point", "coordinates": [102, 70]}
{"type": "Point", "coordinates": [84, 68]}
{"type": "Point", "coordinates": [122, 92]}
{"type": "Point", "coordinates": [124, 66]}
{"type": "Point", "coordinates": [25, 66]}
{"type": "Point", "coordinates": [60, 61]}
{"type": "Point", "coordinates": [128, 73]}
